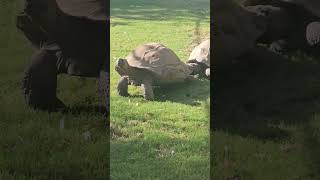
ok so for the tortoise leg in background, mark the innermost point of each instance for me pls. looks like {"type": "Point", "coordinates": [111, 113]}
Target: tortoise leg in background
{"type": "Point", "coordinates": [207, 72]}
{"type": "Point", "coordinates": [147, 90]}
{"type": "Point", "coordinates": [123, 86]}
{"type": "Point", "coordinates": [313, 34]}
{"type": "Point", "coordinates": [40, 82]}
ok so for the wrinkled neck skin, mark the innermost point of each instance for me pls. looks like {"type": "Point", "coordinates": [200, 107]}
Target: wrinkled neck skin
{"type": "Point", "coordinates": [121, 71]}
{"type": "Point", "coordinates": [134, 76]}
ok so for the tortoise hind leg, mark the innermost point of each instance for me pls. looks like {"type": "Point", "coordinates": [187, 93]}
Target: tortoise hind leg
{"type": "Point", "coordinates": [147, 89]}
{"type": "Point", "coordinates": [40, 82]}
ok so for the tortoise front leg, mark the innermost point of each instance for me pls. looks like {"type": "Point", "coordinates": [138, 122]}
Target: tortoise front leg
{"type": "Point", "coordinates": [39, 83]}
{"type": "Point", "coordinates": [123, 86]}
{"type": "Point", "coordinates": [207, 72]}
{"type": "Point", "coordinates": [147, 89]}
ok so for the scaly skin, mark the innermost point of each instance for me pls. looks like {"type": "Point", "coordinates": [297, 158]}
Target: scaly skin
{"type": "Point", "coordinates": [40, 82]}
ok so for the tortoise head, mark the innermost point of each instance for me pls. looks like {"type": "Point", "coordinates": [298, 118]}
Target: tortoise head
{"type": "Point", "coordinates": [122, 67]}
{"type": "Point", "coordinates": [197, 68]}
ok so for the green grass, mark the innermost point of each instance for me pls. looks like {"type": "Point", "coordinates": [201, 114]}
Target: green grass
{"type": "Point", "coordinates": [32, 144]}
{"type": "Point", "coordinates": [167, 138]}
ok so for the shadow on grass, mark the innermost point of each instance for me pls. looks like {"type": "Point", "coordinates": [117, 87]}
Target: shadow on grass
{"type": "Point", "coordinates": [190, 93]}
{"type": "Point", "coordinates": [159, 10]}
{"type": "Point", "coordinates": [258, 101]}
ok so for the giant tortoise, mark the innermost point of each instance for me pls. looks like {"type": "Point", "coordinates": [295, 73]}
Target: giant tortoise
{"type": "Point", "coordinates": [151, 64]}
{"type": "Point", "coordinates": [68, 37]}
{"type": "Point", "coordinates": [235, 30]}
{"type": "Point", "coordinates": [201, 55]}
{"type": "Point", "coordinates": [299, 20]}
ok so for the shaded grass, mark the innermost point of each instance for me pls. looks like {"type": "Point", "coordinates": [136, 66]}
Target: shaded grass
{"type": "Point", "coordinates": [266, 120]}
{"type": "Point", "coordinates": [32, 144]}
{"type": "Point", "coordinates": [169, 137]}
{"type": "Point", "coordinates": [266, 123]}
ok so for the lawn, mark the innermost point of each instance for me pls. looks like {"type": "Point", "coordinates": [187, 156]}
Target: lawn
{"type": "Point", "coordinates": [167, 138]}
{"type": "Point", "coordinates": [38, 145]}
{"type": "Point", "coordinates": [267, 120]}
